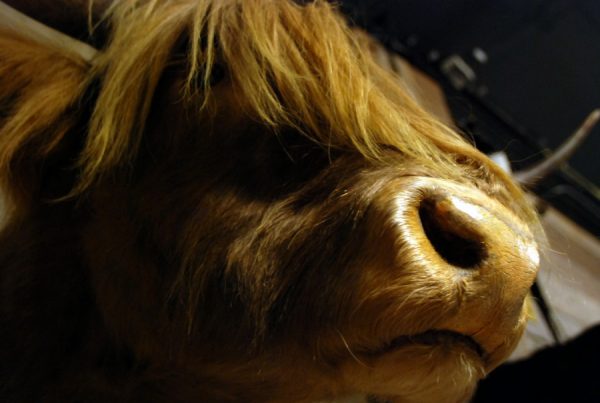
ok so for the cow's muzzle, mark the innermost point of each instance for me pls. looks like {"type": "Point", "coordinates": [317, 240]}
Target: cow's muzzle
{"type": "Point", "coordinates": [483, 257]}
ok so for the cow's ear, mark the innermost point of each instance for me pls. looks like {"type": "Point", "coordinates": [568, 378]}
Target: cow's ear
{"type": "Point", "coordinates": [42, 91]}
{"type": "Point", "coordinates": [80, 19]}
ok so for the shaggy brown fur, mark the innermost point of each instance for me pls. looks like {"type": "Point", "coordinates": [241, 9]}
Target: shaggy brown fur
{"type": "Point", "coordinates": [216, 208]}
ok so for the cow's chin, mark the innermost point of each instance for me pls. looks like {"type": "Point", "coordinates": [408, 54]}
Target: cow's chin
{"type": "Point", "coordinates": [433, 366]}
{"type": "Point", "coordinates": [425, 369]}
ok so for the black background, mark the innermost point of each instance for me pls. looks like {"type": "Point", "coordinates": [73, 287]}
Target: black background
{"type": "Point", "coordinates": [540, 80]}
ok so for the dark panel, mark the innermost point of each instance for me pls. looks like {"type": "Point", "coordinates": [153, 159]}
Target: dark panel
{"type": "Point", "coordinates": [539, 79]}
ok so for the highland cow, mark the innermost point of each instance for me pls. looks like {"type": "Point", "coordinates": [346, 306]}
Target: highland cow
{"type": "Point", "coordinates": [230, 201]}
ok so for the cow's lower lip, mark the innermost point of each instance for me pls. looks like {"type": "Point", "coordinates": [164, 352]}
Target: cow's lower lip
{"type": "Point", "coordinates": [434, 338]}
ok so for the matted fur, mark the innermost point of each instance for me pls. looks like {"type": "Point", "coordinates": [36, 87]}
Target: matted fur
{"type": "Point", "coordinates": [217, 182]}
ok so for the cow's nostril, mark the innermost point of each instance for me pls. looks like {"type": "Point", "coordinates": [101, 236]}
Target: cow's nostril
{"type": "Point", "coordinates": [451, 234]}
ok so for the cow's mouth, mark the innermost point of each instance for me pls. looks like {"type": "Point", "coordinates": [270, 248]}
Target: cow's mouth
{"type": "Point", "coordinates": [439, 339]}
{"type": "Point", "coordinates": [434, 338]}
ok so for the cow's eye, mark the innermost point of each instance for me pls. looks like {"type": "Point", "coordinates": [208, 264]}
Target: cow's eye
{"type": "Point", "coordinates": [279, 163]}
{"type": "Point", "coordinates": [217, 75]}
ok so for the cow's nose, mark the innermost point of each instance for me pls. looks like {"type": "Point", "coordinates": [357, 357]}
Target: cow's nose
{"type": "Point", "coordinates": [463, 261]}
{"type": "Point", "coordinates": [455, 227]}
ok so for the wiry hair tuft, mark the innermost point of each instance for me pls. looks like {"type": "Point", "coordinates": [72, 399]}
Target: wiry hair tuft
{"type": "Point", "coordinates": [293, 65]}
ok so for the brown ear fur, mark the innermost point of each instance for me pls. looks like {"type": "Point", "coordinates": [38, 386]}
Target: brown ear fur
{"type": "Point", "coordinates": [40, 90]}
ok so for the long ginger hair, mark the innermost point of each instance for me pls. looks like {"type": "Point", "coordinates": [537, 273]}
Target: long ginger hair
{"type": "Point", "coordinates": [285, 71]}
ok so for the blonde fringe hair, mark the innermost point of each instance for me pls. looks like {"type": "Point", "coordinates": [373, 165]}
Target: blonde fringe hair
{"type": "Point", "coordinates": [294, 65]}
